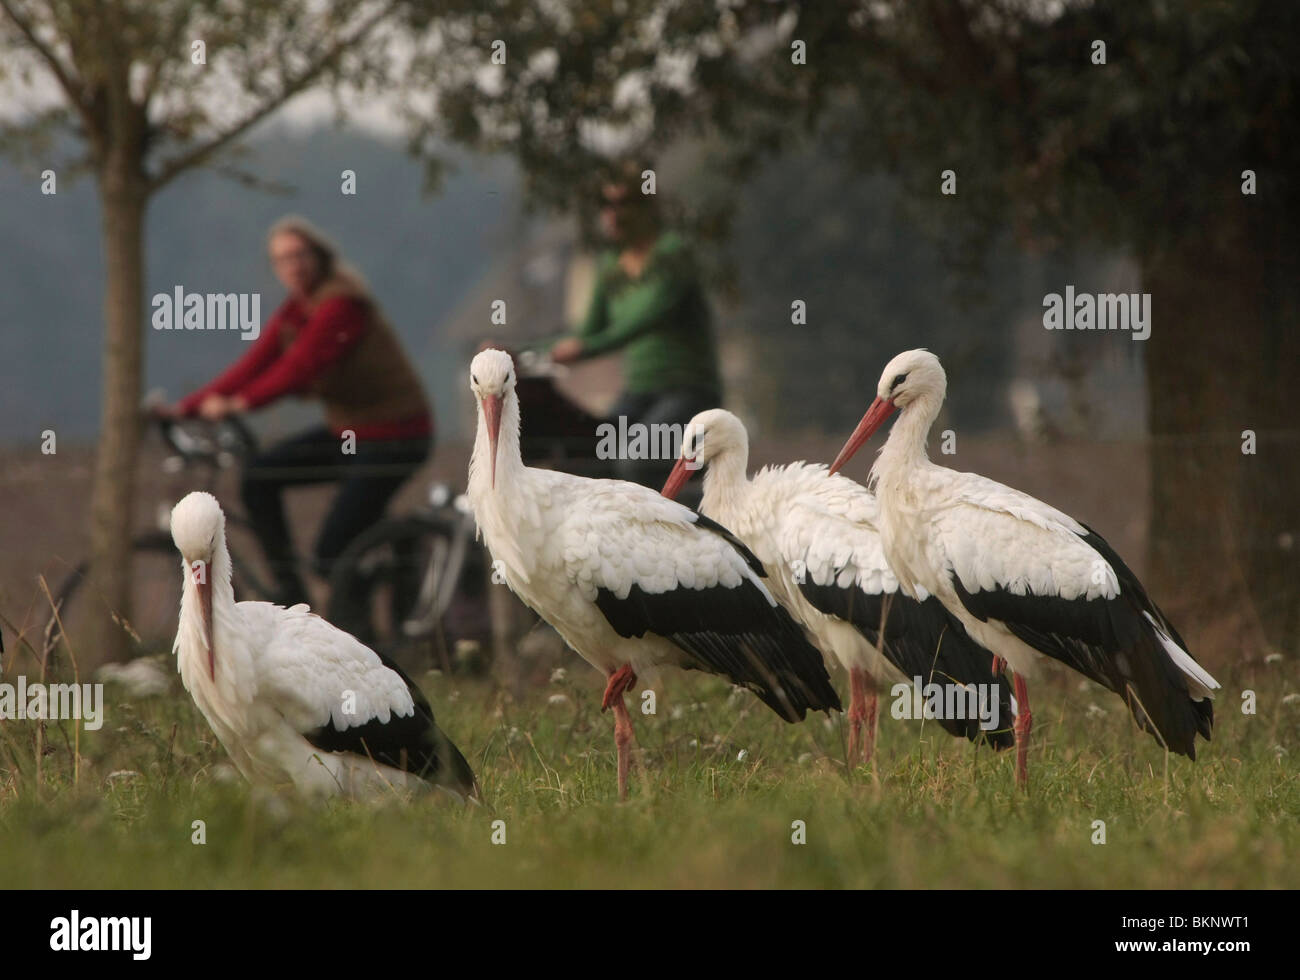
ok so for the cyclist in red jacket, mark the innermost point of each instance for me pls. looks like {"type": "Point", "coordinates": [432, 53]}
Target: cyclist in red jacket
{"type": "Point", "coordinates": [327, 341]}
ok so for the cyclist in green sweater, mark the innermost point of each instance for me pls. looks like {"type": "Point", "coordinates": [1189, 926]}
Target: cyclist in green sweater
{"type": "Point", "coordinates": [648, 302]}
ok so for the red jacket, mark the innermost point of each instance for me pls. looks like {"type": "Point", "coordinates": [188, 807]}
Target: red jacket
{"type": "Point", "coordinates": [276, 366]}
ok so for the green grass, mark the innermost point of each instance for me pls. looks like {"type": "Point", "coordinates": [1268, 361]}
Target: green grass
{"type": "Point", "coordinates": [929, 812]}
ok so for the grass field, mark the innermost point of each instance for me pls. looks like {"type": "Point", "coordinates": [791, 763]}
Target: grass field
{"type": "Point", "coordinates": [929, 812]}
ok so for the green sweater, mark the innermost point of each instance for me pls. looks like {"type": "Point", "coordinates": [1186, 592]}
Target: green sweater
{"type": "Point", "coordinates": [660, 321]}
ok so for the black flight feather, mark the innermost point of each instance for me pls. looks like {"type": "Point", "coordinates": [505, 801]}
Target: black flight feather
{"type": "Point", "coordinates": [413, 743]}
{"type": "Point", "coordinates": [922, 639]}
{"type": "Point", "coordinates": [1111, 642]}
{"type": "Point", "coordinates": [736, 632]}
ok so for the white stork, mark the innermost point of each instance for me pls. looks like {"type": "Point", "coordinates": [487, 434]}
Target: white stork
{"type": "Point", "coordinates": [1022, 577]}
{"type": "Point", "coordinates": [292, 698]}
{"type": "Point", "coordinates": [633, 582]}
{"type": "Point", "coordinates": [816, 535]}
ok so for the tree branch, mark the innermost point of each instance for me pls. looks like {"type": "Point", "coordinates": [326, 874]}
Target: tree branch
{"type": "Point", "coordinates": [63, 74]}
{"type": "Point", "coordinates": [172, 38]}
{"type": "Point", "coordinates": [173, 168]}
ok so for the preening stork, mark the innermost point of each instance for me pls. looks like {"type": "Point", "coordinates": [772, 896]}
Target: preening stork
{"type": "Point", "coordinates": [1021, 576]}
{"type": "Point", "coordinates": [633, 582]}
{"type": "Point", "coordinates": [292, 698]}
{"type": "Point", "coordinates": [816, 535]}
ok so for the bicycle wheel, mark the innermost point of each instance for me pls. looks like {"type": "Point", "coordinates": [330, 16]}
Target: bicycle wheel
{"type": "Point", "coordinates": [383, 586]}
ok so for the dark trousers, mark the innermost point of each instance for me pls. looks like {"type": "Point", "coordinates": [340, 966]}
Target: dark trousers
{"type": "Point", "coordinates": [671, 406]}
{"type": "Point", "coordinates": [368, 479]}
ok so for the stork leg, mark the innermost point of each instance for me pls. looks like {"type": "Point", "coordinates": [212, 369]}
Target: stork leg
{"type": "Point", "coordinates": [623, 743]}
{"type": "Point", "coordinates": [619, 681]}
{"type": "Point", "coordinates": [1024, 724]}
{"type": "Point", "coordinates": [862, 714]}
{"type": "Point", "coordinates": [998, 664]}
{"type": "Point", "coordinates": [869, 740]}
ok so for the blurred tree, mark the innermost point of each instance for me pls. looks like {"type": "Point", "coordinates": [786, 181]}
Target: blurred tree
{"type": "Point", "coordinates": [146, 90]}
{"type": "Point", "coordinates": [1143, 149]}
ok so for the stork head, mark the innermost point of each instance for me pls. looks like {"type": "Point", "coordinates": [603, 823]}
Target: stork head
{"type": "Point", "coordinates": [199, 531]}
{"type": "Point", "coordinates": [912, 375]}
{"type": "Point", "coordinates": [492, 378]}
{"type": "Point", "coordinates": [712, 435]}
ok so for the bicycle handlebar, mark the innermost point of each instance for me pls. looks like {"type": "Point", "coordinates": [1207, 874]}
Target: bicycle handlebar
{"type": "Point", "coordinates": [534, 364]}
{"type": "Point", "coordinates": [199, 440]}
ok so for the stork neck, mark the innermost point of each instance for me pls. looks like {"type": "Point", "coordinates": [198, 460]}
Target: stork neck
{"type": "Point", "coordinates": [191, 646]}
{"type": "Point", "coordinates": [509, 462]}
{"type": "Point", "coordinates": [905, 451]}
{"type": "Point", "coordinates": [219, 577]}
{"type": "Point", "coordinates": [725, 483]}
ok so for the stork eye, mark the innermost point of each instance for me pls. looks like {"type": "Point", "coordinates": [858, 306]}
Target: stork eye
{"type": "Point", "coordinates": [898, 380]}
{"type": "Point", "coordinates": [473, 377]}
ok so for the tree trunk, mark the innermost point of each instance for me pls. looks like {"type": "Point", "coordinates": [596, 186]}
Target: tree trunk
{"type": "Point", "coordinates": [1223, 358]}
{"type": "Point", "coordinates": [123, 200]}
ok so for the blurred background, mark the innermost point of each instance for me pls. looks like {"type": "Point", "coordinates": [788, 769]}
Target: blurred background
{"type": "Point", "coordinates": [1112, 146]}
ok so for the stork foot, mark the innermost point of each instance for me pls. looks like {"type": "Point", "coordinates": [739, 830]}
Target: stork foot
{"type": "Point", "coordinates": [619, 681]}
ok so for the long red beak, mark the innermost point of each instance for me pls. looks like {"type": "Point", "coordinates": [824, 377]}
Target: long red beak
{"type": "Point", "coordinates": [492, 413]}
{"type": "Point", "coordinates": [678, 478]}
{"type": "Point", "coordinates": [205, 605]}
{"type": "Point", "coordinates": [880, 410]}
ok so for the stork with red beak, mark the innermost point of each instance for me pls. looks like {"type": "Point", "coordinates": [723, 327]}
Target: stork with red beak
{"type": "Point", "coordinates": [1025, 579]}
{"type": "Point", "coordinates": [633, 582]}
{"type": "Point", "coordinates": [816, 535]}
{"type": "Point", "coordinates": [294, 700]}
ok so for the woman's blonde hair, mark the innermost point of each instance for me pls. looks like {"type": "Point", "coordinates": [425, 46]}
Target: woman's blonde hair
{"type": "Point", "coordinates": [333, 267]}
